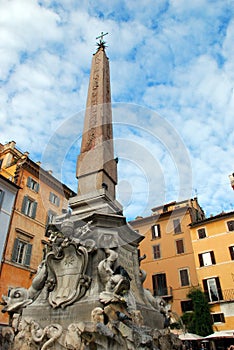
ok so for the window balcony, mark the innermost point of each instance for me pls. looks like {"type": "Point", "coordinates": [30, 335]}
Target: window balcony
{"type": "Point", "coordinates": [228, 294]}
{"type": "Point", "coordinates": [224, 296]}
{"type": "Point", "coordinates": [165, 293]}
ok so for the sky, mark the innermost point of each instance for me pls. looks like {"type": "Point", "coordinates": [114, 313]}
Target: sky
{"type": "Point", "coordinates": [172, 80]}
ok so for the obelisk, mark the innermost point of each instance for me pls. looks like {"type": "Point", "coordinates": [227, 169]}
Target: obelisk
{"type": "Point", "coordinates": [96, 166]}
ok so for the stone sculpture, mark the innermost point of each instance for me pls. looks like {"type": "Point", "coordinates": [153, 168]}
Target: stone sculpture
{"type": "Point", "coordinates": [63, 280]}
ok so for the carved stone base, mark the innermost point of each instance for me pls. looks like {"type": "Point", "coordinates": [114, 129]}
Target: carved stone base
{"type": "Point", "coordinates": [88, 294]}
{"type": "Point", "coordinates": [115, 335]}
{"type": "Point", "coordinates": [81, 310]}
{"type": "Point", "coordinates": [45, 315]}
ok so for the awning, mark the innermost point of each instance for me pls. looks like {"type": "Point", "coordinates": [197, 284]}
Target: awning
{"type": "Point", "coordinates": [221, 334]}
{"type": "Point", "coordinates": [190, 336]}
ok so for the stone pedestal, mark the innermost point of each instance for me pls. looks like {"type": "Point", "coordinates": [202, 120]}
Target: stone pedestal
{"type": "Point", "coordinates": [87, 293]}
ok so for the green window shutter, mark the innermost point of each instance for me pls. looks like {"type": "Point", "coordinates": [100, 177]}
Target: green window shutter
{"type": "Point", "coordinates": [28, 254]}
{"type": "Point", "coordinates": [29, 181]}
{"type": "Point", "coordinates": [51, 195]}
{"type": "Point", "coordinates": [37, 187]}
{"type": "Point", "coordinates": [57, 201]}
{"type": "Point", "coordinates": [34, 209]}
{"type": "Point", "coordinates": [1, 197]}
{"type": "Point", "coordinates": [23, 209]}
{"type": "Point", "coordinates": [15, 250]}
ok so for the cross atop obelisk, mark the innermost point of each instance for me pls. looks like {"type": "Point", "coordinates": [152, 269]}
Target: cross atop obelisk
{"type": "Point", "coordinates": [101, 41]}
{"type": "Point", "coordinates": [96, 166]}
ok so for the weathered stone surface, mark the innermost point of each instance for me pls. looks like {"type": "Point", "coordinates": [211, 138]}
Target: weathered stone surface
{"type": "Point", "coordinates": [86, 299]}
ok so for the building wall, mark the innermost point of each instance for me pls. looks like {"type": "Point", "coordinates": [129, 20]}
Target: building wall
{"type": "Point", "coordinates": [171, 262]}
{"type": "Point", "coordinates": [8, 193]}
{"type": "Point", "coordinates": [26, 240]}
{"type": "Point", "coordinates": [218, 240]}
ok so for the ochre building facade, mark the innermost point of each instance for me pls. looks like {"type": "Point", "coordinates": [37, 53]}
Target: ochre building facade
{"type": "Point", "coordinates": [169, 263]}
{"type": "Point", "coordinates": [40, 198]}
{"type": "Point", "coordinates": [213, 245]}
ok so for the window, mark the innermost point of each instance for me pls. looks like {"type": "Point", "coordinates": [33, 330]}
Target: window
{"type": "Point", "coordinates": [32, 184]}
{"type": "Point", "coordinates": [50, 216]}
{"type": "Point", "coordinates": [231, 250]}
{"type": "Point", "coordinates": [230, 225]}
{"type": "Point", "coordinates": [54, 199]}
{"type": "Point", "coordinates": [212, 289]}
{"type": "Point", "coordinates": [180, 246]}
{"type": "Point", "coordinates": [186, 305]}
{"type": "Point", "coordinates": [207, 259]}
{"type": "Point", "coordinates": [1, 197]}
{"type": "Point", "coordinates": [159, 284]}
{"type": "Point", "coordinates": [184, 277]}
{"type": "Point", "coordinates": [177, 227]}
{"type": "Point", "coordinates": [29, 207]}
{"type": "Point", "coordinates": [156, 233]}
{"type": "Point", "coordinates": [156, 251]}
{"type": "Point", "coordinates": [217, 318]}
{"type": "Point", "coordinates": [201, 233]}
{"type": "Point", "coordinates": [22, 252]}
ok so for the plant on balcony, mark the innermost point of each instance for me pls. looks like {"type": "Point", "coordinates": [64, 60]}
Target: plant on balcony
{"type": "Point", "coordinates": [199, 320]}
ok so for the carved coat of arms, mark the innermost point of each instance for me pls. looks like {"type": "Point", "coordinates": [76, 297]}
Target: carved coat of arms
{"type": "Point", "coordinates": [68, 271]}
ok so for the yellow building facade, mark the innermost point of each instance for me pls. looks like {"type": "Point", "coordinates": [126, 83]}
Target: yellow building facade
{"type": "Point", "coordinates": [169, 264]}
{"type": "Point", "coordinates": [213, 245]}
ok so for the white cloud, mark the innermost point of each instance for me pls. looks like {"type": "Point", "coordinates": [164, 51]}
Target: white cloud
{"type": "Point", "coordinates": [175, 57]}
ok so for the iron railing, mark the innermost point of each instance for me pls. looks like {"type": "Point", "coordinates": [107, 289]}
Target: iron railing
{"type": "Point", "coordinates": [228, 294]}
{"type": "Point", "coordinates": [165, 292]}
{"type": "Point", "coordinates": [223, 295]}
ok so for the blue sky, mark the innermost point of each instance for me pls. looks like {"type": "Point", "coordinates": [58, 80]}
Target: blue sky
{"type": "Point", "coordinates": [172, 79]}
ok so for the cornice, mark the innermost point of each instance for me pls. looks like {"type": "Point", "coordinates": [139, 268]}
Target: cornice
{"type": "Point", "coordinates": [212, 218]}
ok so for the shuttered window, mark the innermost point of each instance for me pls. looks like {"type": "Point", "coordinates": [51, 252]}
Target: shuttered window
{"type": "Point", "coordinates": [212, 289]}
{"type": "Point", "coordinates": [159, 284]}
{"type": "Point", "coordinates": [29, 207]}
{"type": "Point", "coordinates": [54, 199]}
{"type": "Point", "coordinates": [177, 226]}
{"type": "Point", "coordinates": [32, 184]}
{"type": "Point", "coordinates": [180, 246]}
{"type": "Point", "coordinates": [201, 233]}
{"type": "Point", "coordinates": [156, 251]}
{"type": "Point", "coordinates": [184, 277]}
{"type": "Point", "coordinates": [186, 305]}
{"type": "Point", "coordinates": [22, 252]}
{"type": "Point", "coordinates": [207, 259]}
{"type": "Point", "coordinates": [50, 216]}
{"type": "Point", "coordinates": [230, 225]}
{"type": "Point", "coordinates": [156, 232]}
{"type": "Point", "coordinates": [218, 318]}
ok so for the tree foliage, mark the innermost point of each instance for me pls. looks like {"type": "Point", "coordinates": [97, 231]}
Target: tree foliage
{"type": "Point", "coordinates": [199, 321]}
